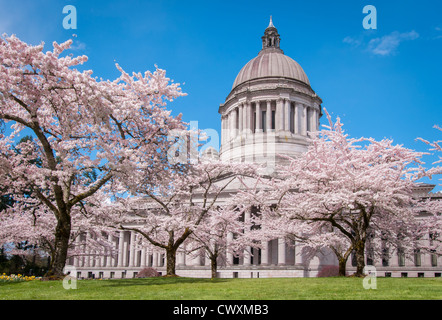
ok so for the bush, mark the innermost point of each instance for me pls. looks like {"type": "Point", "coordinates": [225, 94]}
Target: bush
{"type": "Point", "coordinates": [148, 273]}
{"type": "Point", "coordinates": [328, 271]}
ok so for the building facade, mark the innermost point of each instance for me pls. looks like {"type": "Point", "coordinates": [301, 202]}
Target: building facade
{"type": "Point", "coordinates": [269, 112]}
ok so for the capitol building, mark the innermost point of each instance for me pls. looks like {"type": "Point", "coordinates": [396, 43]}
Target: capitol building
{"type": "Point", "coordinates": [268, 112]}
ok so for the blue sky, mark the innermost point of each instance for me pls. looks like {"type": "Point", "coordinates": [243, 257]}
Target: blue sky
{"type": "Point", "coordinates": [381, 83]}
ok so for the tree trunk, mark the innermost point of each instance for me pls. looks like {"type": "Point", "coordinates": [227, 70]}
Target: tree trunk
{"type": "Point", "coordinates": [171, 261]}
{"type": "Point", "coordinates": [214, 266]}
{"type": "Point", "coordinates": [62, 236]}
{"type": "Point", "coordinates": [342, 267]}
{"type": "Point", "coordinates": [360, 258]}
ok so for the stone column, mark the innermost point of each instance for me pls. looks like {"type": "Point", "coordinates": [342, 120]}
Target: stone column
{"type": "Point", "coordinates": [77, 246]}
{"type": "Point", "coordinates": [143, 263]}
{"type": "Point", "coordinates": [234, 128]}
{"type": "Point", "coordinates": [394, 259]}
{"type": "Point", "coordinates": [265, 253]}
{"type": "Point", "coordinates": [102, 261]}
{"type": "Point", "coordinates": [281, 252]}
{"type": "Point", "coordinates": [132, 249]}
{"type": "Point", "coordinates": [298, 108]}
{"type": "Point", "coordinates": [310, 116]}
{"type": "Point", "coordinates": [304, 120]}
{"type": "Point", "coordinates": [229, 127]}
{"type": "Point", "coordinates": [286, 115]}
{"type": "Point", "coordinates": [240, 119]}
{"type": "Point", "coordinates": [279, 115]}
{"type": "Point", "coordinates": [155, 259]}
{"type": "Point", "coordinates": [125, 251]}
{"type": "Point", "coordinates": [245, 117]}
{"type": "Point", "coordinates": [228, 253]}
{"type": "Point", "coordinates": [223, 129]}
{"type": "Point", "coordinates": [109, 251]}
{"type": "Point", "coordinates": [120, 249]}
{"type": "Point", "coordinates": [87, 251]}
{"type": "Point", "coordinates": [269, 116]}
{"type": "Point", "coordinates": [298, 256]}
{"type": "Point", "coordinates": [315, 120]}
{"type": "Point", "coordinates": [227, 133]}
{"type": "Point", "coordinates": [248, 250]}
{"type": "Point", "coordinates": [258, 117]}
{"type": "Point", "coordinates": [249, 119]}
{"type": "Point", "coordinates": [180, 258]}
{"type": "Point", "coordinates": [148, 260]}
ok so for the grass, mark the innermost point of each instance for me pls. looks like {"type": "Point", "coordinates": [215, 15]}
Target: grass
{"type": "Point", "coordinates": [163, 288]}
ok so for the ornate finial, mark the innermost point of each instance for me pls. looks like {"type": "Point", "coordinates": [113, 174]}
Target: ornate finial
{"type": "Point", "coordinates": [271, 23]}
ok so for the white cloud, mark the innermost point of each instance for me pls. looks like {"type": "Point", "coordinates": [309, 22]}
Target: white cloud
{"type": "Point", "coordinates": [352, 41]}
{"type": "Point", "coordinates": [78, 46]}
{"type": "Point", "coordinates": [388, 44]}
{"type": "Point", "coordinates": [383, 46]}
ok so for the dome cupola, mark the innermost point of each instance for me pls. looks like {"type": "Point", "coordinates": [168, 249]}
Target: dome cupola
{"type": "Point", "coordinates": [270, 109]}
{"type": "Point", "coordinates": [271, 38]}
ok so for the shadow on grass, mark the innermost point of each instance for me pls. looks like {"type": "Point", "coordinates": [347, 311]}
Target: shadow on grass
{"type": "Point", "coordinates": [155, 281]}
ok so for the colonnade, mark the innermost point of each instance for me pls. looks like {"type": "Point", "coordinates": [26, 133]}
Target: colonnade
{"type": "Point", "coordinates": [125, 253]}
{"type": "Point", "coordinates": [122, 253]}
{"type": "Point", "coordinates": [280, 115]}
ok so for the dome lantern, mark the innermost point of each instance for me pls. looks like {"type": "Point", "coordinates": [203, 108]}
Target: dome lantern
{"type": "Point", "coordinates": [271, 38]}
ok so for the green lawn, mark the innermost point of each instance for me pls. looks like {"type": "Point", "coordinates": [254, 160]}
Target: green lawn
{"type": "Point", "coordinates": [227, 289]}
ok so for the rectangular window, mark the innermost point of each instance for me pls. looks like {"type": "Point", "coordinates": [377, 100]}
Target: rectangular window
{"type": "Point", "coordinates": [434, 260]}
{"type": "Point", "coordinates": [417, 258]}
{"type": "Point", "coordinates": [401, 258]}
{"type": "Point", "coordinates": [370, 256]}
{"type": "Point", "coordinates": [385, 257]}
{"type": "Point", "coordinates": [273, 119]}
{"type": "Point", "coordinates": [353, 260]}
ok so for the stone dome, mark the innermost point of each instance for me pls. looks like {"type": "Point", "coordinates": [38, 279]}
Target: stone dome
{"type": "Point", "coordinates": [271, 63]}
{"type": "Point", "coordinates": [271, 109]}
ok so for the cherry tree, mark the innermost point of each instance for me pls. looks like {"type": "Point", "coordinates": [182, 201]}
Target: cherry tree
{"type": "Point", "coordinates": [351, 188]}
{"type": "Point", "coordinates": [25, 222]}
{"type": "Point", "coordinates": [223, 232]}
{"type": "Point", "coordinates": [433, 205]}
{"type": "Point", "coordinates": [437, 147]}
{"type": "Point", "coordinates": [170, 205]}
{"type": "Point", "coordinates": [81, 127]}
